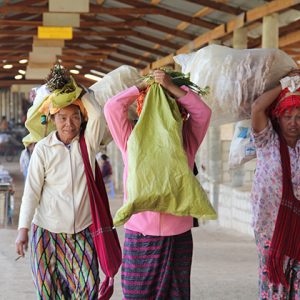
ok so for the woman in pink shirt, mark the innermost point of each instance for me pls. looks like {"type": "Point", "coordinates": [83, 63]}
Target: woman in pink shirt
{"type": "Point", "coordinates": [158, 247]}
{"type": "Point", "coordinates": [276, 189]}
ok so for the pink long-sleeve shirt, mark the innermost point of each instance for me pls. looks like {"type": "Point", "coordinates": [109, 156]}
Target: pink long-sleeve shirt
{"type": "Point", "coordinates": [194, 129]}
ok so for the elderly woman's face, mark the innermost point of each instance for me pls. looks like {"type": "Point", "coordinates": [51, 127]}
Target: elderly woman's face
{"type": "Point", "coordinates": [68, 122]}
{"type": "Point", "coordinates": [289, 123]}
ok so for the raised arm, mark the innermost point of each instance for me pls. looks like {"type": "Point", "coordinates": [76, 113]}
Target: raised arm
{"type": "Point", "coordinates": [96, 122]}
{"type": "Point", "coordinates": [259, 118]}
{"type": "Point", "coordinates": [116, 114]}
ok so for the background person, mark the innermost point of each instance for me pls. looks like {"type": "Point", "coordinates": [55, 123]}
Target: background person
{"type": "Point", "coordinates": [25, 158]}
{"type": "Point", "coordinates": [106, 170]}
{"type": "Point", "coordinates": [4, 124]}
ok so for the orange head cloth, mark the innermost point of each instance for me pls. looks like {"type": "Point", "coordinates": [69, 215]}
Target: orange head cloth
{"type": "Point", "coordinates": [47, 107]}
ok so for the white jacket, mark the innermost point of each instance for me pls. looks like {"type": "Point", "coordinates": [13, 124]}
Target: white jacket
{"type": "Point", "coordinates": [55, 194]}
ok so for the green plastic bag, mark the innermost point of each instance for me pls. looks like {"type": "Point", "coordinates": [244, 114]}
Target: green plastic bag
{"type": "Point", "coordinates": [159, 178]}
{"type": "Point", "coordinates": [37, 131]}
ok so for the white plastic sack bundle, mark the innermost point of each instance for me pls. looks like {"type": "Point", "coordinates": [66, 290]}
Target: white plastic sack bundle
{"type": "Point", "coordinates": [114, 82]}
{"type": "Point", "coordinates": [242, 148]}
{"type": "Point", "coordinates": [236, 77]}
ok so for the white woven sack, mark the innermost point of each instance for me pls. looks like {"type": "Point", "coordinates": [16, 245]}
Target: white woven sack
{"type": "Point", "coordinates": [236, 77]}
{"type": "Point", "coordinates": [114, 82]}
{"type": "Point", "coordinates": [242, 148]}
{"type": "Point", "coordinates": [110, 85]}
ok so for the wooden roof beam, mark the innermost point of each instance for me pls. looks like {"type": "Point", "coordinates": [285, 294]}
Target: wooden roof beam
{"type": "Point", "coordinates": [148, 37]}
{"type": "Point", "coordinates": [73, 50]}
{"type": "Point", "coordinates": [15, 58]}
{"type": "Point", "coordinates": [168, 13]}
{"type": "Point", "coordinates": [168, 30]}
{"type": "Point", "coordinates": [126, 62]}
{"type": "Point", "coordinates": [130, 44]}
{"type": "Point", "coordinates": [82, 57]}
{"type": "Point", "coordinates": [126, 32]}
{"type": "Point", "coordinates": [12, 50]}
{"type": "Point", "coordinates": [133, 55]}
{"type": "Point", "coordinates": [132, 23]}
{"type": "Point", "coordinates": [19, 23]}
{"type": "Point", "coordinates": [289, 39]}
{"type": "Point", "coordinates": [290, 51]}
{"type": "Point", "coordinates": [8, 83]}
{"type": "Point", "coordinates": [269, 8]}
{"type": "Point", "coordinates": [294, 45]}
{"type": "Point", "coordinates": [94, 9]}
{"type": "Point", "coordinates": [287, 36]}
{"type": "Point", "coordinates": [83, 24]}
{"type": "Point", "coordinates": [99, 43]}
{"type": "Point", "coordinates": [219, 6]}
{"type": "Point", "coordinates": [181, 26]}
{"type": "Point", "coordinates": [86, 68]}
{"type": "Point", "coordinates": [222, 30]}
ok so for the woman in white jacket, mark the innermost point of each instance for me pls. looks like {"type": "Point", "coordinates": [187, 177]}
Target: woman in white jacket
{"type": "Point", "coordinates": [56, 202]}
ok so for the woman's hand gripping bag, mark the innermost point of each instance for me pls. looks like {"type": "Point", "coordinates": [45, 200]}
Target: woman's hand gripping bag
{"type": "Point", "coordinates": [159, 178]}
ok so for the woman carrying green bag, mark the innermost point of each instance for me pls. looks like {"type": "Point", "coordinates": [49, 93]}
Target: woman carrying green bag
{"type": "Point", "coordinates": [158, 246]}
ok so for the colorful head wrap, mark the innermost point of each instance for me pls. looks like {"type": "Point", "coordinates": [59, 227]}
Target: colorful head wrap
{"type": "Point", "coordinates": [59, 91]}
{"type": "Point", "coordinates": [285, 101]}
{"type": "Point", "coordinates": [61, 98]}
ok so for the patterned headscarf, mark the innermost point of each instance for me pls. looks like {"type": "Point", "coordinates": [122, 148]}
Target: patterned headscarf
{"type": "Point", "coordinates": [285, 101]}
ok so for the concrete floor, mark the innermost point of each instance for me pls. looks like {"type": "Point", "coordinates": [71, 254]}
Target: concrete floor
{"type": "Point", "coordinates": [224, 262]}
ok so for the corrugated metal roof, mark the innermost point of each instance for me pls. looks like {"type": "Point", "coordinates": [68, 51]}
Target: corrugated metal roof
{"type": "Point", "coordinates": [136, 32]}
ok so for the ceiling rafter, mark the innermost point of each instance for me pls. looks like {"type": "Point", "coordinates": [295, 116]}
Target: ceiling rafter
{"type": "Point", "coordinates": [83, 24]}
{"type": "Point", "coordinates": [127, 53]}
{"type": "Point", "coordinates": [97, 43]}
{"type": "Point", "coordinates": [181, 26]}
{"type": "Point", "coordinates": [219, 6]}
{"type": "Point", "coordinates": [168, 13]}
{"type": "Point", "coordinates": [170, 31]}
{"type": "Point", "coordinates": [221, 31]}
{"type": "Point", "coordinates": [141, 33]}
{"type": "Point", "coordinates": [148, 37]}
{"type": "Point", "coordinates": [82, 57]}
{"type": "Point", "coordinates": [94, 9]}
{"type": "Point", "coordinates": [282, 31]}
{"type": "Point", "coordinates": [135, 46]}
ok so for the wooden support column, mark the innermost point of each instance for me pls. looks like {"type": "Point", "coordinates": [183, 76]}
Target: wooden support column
{"type": "Point", "coordinates": [240, 39]}
{"type": "Point", "coordinates": [270, 31]}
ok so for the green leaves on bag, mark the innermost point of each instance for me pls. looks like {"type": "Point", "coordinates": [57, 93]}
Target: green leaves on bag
{"type": "Point", "coordinates": [179, 79]}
